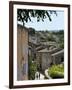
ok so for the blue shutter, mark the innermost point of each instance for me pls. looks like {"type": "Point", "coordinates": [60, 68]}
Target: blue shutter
{"type": "Point", "coordinates": [24, 68]}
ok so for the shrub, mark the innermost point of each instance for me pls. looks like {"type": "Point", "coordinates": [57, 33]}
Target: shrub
{"type": "Point", "coordinates": [56, 71]}
{"type": "Point", "coordinates": [32, 69]}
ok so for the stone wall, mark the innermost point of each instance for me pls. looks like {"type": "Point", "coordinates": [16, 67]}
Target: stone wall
{"type": "Point", "coordinates": [46, 61]}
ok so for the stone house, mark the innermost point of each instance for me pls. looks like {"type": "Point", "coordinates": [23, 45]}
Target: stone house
{"type": "Point", "coordinates": [45, 57]}
{"type": "Point", "coordinates": [22, 53]}
{"type": "Point", "coordinates": [58, 57]}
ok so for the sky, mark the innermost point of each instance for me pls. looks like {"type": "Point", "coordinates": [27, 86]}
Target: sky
{"type": "Point", "coordinates": [57, 22]}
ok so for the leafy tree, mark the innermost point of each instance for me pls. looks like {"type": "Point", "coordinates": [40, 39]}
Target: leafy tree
{"type": "Point", "coordinates": [61, 45]}
{"type": "Point", "coordinates": [61, 39]}
{"type": "Point", "coordinates": [23, 15]}
{"type": "Point", "coordinates": [31, 31]}
{"type": "Point", "coordinates": [51, 38]}
{"type": "Point", "coordinates": [60, 32]}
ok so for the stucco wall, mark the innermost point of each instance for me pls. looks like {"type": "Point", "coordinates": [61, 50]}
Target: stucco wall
{"type": "Point", "coordinates": [22, 53]}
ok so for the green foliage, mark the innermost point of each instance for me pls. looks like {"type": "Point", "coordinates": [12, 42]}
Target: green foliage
{"type": "Point", "coordinates": [60, 38]}
{"type": "Point", "coordinates": [32, 69]}
{"type": "Point", "coordinates": [24, 15]}
{"type": "Point", "coordinates": [31, 31]}
{"type": "Point", "coordinates": [60, 32]}
{"type": "Point", "coordinates": [51, 38]}
{"type": "Point", "coordinates": [56, 71]}
{"type": "Point", "coordinates": [61, 41]}
{"type": "Point", "coordinates": [61, 45]}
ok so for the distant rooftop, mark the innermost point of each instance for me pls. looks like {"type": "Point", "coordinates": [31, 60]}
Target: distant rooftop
{"type": "Point", "coordinates": [59, 52]}
{"type": "Point", "coordinates": [50, 51]}
{"type": "Point", "coordinates": [44, 50]}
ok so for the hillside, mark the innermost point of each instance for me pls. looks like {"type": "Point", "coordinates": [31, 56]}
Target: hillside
{"type": "Point", "coordinates": [48, 37]}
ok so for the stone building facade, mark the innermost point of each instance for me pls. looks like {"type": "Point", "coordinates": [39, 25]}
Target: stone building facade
{"type": "Point", "coordinates": [58, 57]}
{"type": "Point", "coordinates": [45, 57]}
{"type": "Point", "coordinates": [22, 53]}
